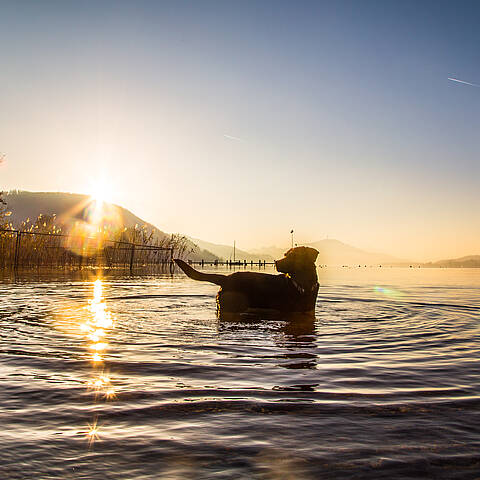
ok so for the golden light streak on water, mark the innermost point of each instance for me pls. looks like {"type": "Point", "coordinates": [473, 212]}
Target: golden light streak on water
{"type": "Point", "coordinates": [110, 394]}
{"type": "Point", "coordinates": [97, 290]}
{"type": "Point", "coordinates": [99, 322]}
{"type": "Point", "coordinates": [96, 335]}
{"type": "Point", "coordinates": [97, 358]}
{"type": "Point", "coordinates": [96, 328]}
{"type": "Point", "coordinates": [100, 382]}
{"type": "Point", "coordinates": [98, 346]}
{"type": "Point", "coordinates": [93, 432]}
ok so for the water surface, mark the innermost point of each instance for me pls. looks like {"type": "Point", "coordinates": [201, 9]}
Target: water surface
{"type": "Point", "coordinates": [134, 377]}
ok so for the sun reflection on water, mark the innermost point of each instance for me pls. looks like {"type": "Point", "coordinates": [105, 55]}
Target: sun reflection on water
{"type": "Point", "coordinates": [96, 327]}
{"type": "Point", "coordinates": [92, 432]}
{"type": "Point", "coordinates": [98, 322]}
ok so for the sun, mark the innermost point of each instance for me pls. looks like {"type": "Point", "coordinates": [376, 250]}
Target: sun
{"type": "Point", "coordinates": [100, 191]}
{"type": "Point", "coordinates": [98, 196]}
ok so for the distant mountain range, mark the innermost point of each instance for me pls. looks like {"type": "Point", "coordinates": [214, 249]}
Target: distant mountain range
{"type": "Point", "coordinates": [225, 252]}
{"type": "Point", "coordinates": [332, 252]}
{"type": "Point", "coordinates": [470, 261]}
{"type": "Point", "coordinates": [335, 253]}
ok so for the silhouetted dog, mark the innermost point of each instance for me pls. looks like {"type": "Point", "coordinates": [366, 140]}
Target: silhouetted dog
{"type": "Point", "coordinates": [295, 290]}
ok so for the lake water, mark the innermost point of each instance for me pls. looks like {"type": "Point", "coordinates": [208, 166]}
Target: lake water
{"type": "Point", "coordinates": [119, 377]}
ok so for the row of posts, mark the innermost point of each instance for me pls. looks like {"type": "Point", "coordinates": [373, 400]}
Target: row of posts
{"type": "Point", "coordinates": [230, 263]}
{"type": "Point", "coordinates": [18, 240]}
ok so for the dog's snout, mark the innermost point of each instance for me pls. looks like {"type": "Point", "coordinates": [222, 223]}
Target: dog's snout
{"type": "Point", "coordinates": [280, 265]}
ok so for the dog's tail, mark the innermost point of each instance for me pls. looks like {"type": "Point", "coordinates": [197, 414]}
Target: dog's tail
{"type": "Point", "coordinates": [196, 275]}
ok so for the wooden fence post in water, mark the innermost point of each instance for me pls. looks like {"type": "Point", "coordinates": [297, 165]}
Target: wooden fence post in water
{"type": "Point", "coordinates": [132, 254]}
{"type": "Point", "coordinates": [17, 249]}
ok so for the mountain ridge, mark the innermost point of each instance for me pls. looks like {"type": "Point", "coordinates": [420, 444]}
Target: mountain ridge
{"type": "Point", "coordinates": [467, 261]}
{"type": "Point", "coordinates": [334, 252]}
{"type": "Point", "coordinates": [225, 252]}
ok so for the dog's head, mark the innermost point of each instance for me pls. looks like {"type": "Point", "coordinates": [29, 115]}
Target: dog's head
{"type": "Point", "coordinates": [297, 260]}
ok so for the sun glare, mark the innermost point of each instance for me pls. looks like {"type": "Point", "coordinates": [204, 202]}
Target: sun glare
{"type": "Point", "coordinates": [100, 191]}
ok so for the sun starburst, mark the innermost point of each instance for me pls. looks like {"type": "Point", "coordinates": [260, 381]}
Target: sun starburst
{"type": "Point", "coordinates": [92, 433]}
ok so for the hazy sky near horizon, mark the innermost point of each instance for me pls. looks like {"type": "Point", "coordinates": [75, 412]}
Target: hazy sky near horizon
{"type": "Point", "coordinates": [242, 120]}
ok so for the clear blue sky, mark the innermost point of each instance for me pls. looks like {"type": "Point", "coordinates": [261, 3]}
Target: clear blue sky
{"type": "Point", "coordinates": [241, 120]}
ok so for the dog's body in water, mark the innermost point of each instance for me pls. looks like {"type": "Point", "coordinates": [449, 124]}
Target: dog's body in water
{"type": "Point", "coordinates": [292, 291]}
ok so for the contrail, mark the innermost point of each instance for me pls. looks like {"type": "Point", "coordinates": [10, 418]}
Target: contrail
{"type": "Point", "coordinates": [233, 138]}
{"type": "Point", "coordinates": [462, 81]}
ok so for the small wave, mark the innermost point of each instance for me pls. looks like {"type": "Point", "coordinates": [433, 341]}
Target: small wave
{"type": "Point", "coordinates": [168, 295]}
{"type": "Point", "coordinates": [397, 302]}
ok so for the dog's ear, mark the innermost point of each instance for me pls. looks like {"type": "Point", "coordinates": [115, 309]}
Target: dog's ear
{"type": "Point", "coordinates": [311, 254]}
